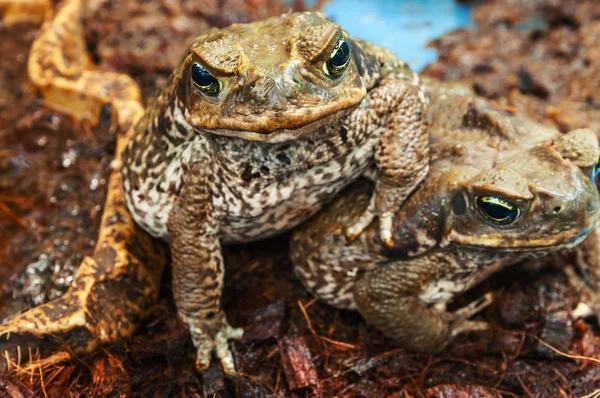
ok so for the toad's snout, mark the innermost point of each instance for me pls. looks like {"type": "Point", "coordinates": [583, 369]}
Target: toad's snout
{"type": "Point", "coordinates": [264, 90]}
{"type": "Point", "coordinates": [573, 202]}
{"type": "Point", "coordinates": [576, 209]}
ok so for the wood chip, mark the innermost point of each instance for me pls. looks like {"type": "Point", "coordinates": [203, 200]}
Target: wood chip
{"type": "Point", "coordinates": [297, 363]}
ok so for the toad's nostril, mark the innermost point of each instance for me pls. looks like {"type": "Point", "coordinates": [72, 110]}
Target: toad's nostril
{"type": "Point", "coordinates": [557, 209]}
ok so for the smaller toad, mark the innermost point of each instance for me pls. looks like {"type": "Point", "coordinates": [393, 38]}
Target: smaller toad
{"type": "Point", "coordinates": [501, 188]}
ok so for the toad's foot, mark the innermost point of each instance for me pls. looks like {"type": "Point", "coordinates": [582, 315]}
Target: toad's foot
{"type": "Point", "coordinates": [206, 345]}
{"type": "Point", "coordinates": [384, 204]}
{"type": "Point", "coordinates": [474, 307]}
{"type": "Point", "coordinates": [460, 319]}
{"type": "Point", "coordinates": [384, 297]}
{"type": "Point", "coordinates": [353, 231]}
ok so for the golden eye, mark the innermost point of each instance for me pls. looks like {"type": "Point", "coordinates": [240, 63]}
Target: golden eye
{"type": "Point", "coordinates": [338, 59]}
{"type": "Point", "coordinates": [205, 82]}
{"type": "Point", "coordinates": [497, 210]}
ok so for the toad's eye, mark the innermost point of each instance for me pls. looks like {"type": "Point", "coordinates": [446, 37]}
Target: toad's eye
{"type": "Point", "coordinates": [338, 59]}
{"type": "Point", "coordinates": [496, 210]}
{"type": "Point", "coordinates": [597, 166]}
{"type": "Point", "coordinates": [205, 82]}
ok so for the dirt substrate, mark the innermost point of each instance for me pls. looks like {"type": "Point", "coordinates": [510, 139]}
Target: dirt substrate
{"type": "Point", "coordinates": [540, 57]}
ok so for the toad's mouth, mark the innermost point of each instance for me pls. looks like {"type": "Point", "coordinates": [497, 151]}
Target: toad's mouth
{"type": "Point", "coordinates": [271, 131]}
{"type": "Point", "coordinates": [555, 242]}
{"type": "Point", "coordinates": [280, 134]}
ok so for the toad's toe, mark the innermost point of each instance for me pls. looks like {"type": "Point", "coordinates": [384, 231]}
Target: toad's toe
{"type": "Point", "coordinates": [353, 231]}
{"type": "Point", "coordinates": [206, 345]}
{"type": "Point", "coordinates": [386, 221]}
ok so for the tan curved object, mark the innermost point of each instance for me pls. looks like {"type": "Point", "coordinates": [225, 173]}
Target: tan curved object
{"type": "Point", "coordinates": [114, 286]}
{"type": "Point", "coordinates": [25, 11]}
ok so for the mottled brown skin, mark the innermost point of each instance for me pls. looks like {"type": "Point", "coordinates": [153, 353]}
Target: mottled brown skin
{"type": "Point", "coordinates": [442, 244]}
{"type": "Point", "coordinates": [279, 138]}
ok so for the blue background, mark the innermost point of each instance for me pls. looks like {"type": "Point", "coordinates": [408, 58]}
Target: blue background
{"type": "Point", "coordinates": [403, 26]}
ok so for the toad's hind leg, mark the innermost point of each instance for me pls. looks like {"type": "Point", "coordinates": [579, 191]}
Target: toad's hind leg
{"type": "Point", "coordinates": [113, 287]}
{"type": "Point", "coordinates": [323, 261]}
{"type": "Point", "coordinates": [388, 298]}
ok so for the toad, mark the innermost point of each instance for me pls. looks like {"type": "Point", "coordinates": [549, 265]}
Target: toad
{"type": "Point", "coordinates": [500, 188]}
{"type": "Point", "coordinates": [259, 127]}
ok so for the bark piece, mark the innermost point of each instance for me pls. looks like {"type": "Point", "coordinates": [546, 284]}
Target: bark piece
{"type": "Point", "coordinates": [297, 363]}
{"type": "Point", "coordinates": [269, 321]}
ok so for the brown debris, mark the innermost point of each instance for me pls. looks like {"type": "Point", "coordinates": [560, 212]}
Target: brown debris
{"type": "Point", "coordinates": [167, 27]}
{"type": "Point", "coordinates": [460, 391]}
{"type": "Point", "coordinates": [297, 363]}
{"type": "Point", "coordinates": [109, 376]}
{"type": "Point", "coordinates": [10, 388]}
{"type": "Point", "coordinates": [213, 381]}
{"type": "Point", "coordinates": [268, 322]}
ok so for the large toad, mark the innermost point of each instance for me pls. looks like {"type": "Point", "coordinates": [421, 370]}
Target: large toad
{"type": "Point", "coordinates": [260, 126]}
{"type": "Point", "coordinates": [500, 188]}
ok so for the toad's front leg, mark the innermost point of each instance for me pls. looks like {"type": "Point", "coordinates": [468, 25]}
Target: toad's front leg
{"type": "Point", "coordinates": [402, 155]}
{"type": "Point", "coordinates": [402, 159]}
{"type": "Point", "coordinates": [198, 269]}
{"type": "Point", "coordinates": [388, 299]}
